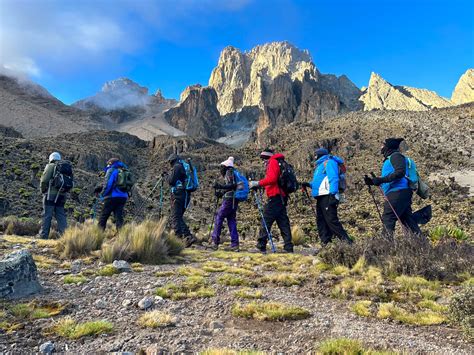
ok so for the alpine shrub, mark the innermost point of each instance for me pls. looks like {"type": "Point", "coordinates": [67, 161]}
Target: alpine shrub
{"type": "Point", "coordinates": [461, 310]}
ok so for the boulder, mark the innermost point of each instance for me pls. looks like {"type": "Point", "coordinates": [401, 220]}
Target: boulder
{"type": "Point", "coordinates": [18, 276]}
{"type": "Point", "coordinates": [122, 266]}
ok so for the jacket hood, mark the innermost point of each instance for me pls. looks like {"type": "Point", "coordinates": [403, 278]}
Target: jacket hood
{"type": "Point", "coordinates": [277, 156]}
{"type": "Point", "coordinates": [338, 160]}
{"type": "Point", "coordinates": [117, 164]}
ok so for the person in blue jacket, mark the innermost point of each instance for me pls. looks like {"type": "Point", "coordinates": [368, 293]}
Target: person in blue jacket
{"type": "Point", "coordinates": [395, 187]}
{"type": "Point", "coordinates": [325, 189]}
{"type": "Point", "coordinates": [114, 199]}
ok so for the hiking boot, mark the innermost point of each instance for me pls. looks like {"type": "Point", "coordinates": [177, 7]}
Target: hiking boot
{"type": "Point", "coordinates": [214, 246]}
{"type": "Point", "coordinates": [234, 248]}
{"type": "Point", "coordinates": [189, 240]}
{"type": "Point", "coordinates": [287, 251]}
{"type": "Point", "coordinates": [257, 250]}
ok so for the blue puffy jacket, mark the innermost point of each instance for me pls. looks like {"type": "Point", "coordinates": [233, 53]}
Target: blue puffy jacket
{"type": "Point", "coordinates": [397, 173]}
{"type": "Point", "coordinates": [111, 173]}
{"type": "Point", "coordinates": [326, 176]}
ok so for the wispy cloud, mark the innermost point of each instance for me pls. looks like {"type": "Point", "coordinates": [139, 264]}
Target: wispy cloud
{"type": "Point", "coordinates": [35, 34]}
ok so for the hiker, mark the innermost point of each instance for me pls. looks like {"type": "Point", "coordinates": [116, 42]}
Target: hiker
{"type": "Point", "coordinates": [275, 208]}
{"type": "Point", "coordinates": [325, 189]}
{"type": "Point", "coordinates": [395, 186]}
{"type": "Point", "coordinates": [113, 197]}
{"type": "Point", "coordinates": [54, 197]}
{"type": "Point", "coordinates": [180, 199]}
{"type": "Point", "coordinates": [228, 209]}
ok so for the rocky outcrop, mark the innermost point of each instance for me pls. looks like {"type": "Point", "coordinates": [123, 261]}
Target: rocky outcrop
{"type": "Point", "coordinates": [197, 113]}
{"type": "Point", "coordinates": [344, 89]}
{"type": "Point", "coordinates": [382, 95]}
{"type": "Point", "coordinates": [464, 90]}
{"type": "Point", "coordinates": [18, 276]}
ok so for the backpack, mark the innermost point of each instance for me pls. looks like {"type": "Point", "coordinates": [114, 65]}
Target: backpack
{"type": "Point", "coordinates": [192, 182]}
{"type": "Point", "coordinates": [414, 181]}
{"type": "Point", "coordinates": [287, 179]}
{"type": "Point", "coordinates": [242, 191]}
{"type": "Point", "coordinates": [125, 180]}
{"type": "Point", "coordinates": [63, 178]}
{"type": "Point", "coordinates": [341, 169]}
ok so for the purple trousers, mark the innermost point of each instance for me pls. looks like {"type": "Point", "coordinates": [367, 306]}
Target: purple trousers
{"type": "Point", "coordinates": [228, 210]}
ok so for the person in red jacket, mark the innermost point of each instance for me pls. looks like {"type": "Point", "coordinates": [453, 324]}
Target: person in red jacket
{"type": "Point", "coordinates": [275, 209]}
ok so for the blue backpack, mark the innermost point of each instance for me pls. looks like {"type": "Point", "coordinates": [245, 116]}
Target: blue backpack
{"type": "Point", "coordinates": [411, 173]}
{"type": "Point", "coordinates": [242, 191]}
{"type": "Point", "coordinates": [192, 181]}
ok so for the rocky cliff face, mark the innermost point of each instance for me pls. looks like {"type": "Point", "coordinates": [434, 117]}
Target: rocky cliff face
{"type": "Point", "coordinates": [282, 82]}
{"type": "Point", "coordinates": [464, 90]}
{"type": "Point", "coordinates": [382, 95]}
{"type": "Point", "coordinates": [197, 113]}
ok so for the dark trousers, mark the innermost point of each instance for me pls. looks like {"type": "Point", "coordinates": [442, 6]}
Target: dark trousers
{"type": "Point", "coordinates": [401, 203]}
{"type": "Point", "coordinates": [228, 210]}
{"type": "Point", "coordinates": [179, 202]}
{"type": "Point", "coordinates": [115, 205]}
{"type": "Point", "coordinates": [275, 211]}
{"type": "Point", "coordinates": [50, 209]}
{"type": "Point", "coordinates": [328, 221]}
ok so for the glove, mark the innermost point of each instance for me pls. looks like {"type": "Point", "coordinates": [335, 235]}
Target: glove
{"type": "Point", "coordinates": [254, 185]}
{"type": "Point", "coordinates": [218, 193]}
{"type": "Point", "coordinates": [164, 173]}
{"type": "Point", "coordinates": [377, 181]}
{"type": "Point", "coordinates": [305, 184]}
{"type": "Point", "coordinates": [98, 189]}
{"type": "Point", "coordinates": [333, 200]}
{"type": "Point", "coordinates": [368, 181]}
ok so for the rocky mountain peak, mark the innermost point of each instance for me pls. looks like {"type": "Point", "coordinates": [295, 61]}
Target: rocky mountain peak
{"type": "Point", "coordinates": [464, 90]}
{"type": "Point", "coordinates": [120, 85]}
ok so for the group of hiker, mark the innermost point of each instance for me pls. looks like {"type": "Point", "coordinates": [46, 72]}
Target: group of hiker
{"type": "Point", "coordinates": [397, 183]}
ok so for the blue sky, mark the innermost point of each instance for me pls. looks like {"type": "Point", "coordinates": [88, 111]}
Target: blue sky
{"type": "Point", "coordinates": [73, 47]}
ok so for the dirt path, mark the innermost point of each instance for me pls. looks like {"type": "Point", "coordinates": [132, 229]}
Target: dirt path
{"type": "Point", "coordinates": [207, 322]}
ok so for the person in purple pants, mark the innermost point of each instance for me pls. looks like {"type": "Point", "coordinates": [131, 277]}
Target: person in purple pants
{"type": "Point", "coordinates": [228, 209]}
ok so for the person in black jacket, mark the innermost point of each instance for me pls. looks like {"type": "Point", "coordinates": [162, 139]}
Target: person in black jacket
{"type": "Point", "coordinates": [180, 199]}
{"type": "Point", "coordinates": [395, 186]}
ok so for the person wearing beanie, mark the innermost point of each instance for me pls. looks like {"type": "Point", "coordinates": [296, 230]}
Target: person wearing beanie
{"type": "Point", "coordinates": [325, 189]}
{"type": "Point", "coordinates": [53, 199]}
{"type": "Point", "coordinates": [228, 209]}
{"type": "Point", "coordinates": [114, 198]}
{"type": "Point", "coordinates": [275, 208]}
{"type": "Point", "coordinates": [180, 199]}
{"type": "Point", "coordinates": [395, 186]}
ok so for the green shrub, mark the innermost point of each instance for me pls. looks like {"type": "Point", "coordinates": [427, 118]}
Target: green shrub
{"type": "Point", "coordinates": [442, 232]}
{"type": "Point", "coordinates": [461, 310]}
{"type": "Point", "coordinates": [74, 279]}
{"type": "Point", "coordinates": [269, 311]}
{"type": "Point", "coordinates": [341, 346]}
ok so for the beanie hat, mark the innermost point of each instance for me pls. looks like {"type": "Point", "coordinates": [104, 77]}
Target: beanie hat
{"type": "Point", "coordinates": [112, 160]}
{"type": "Point", "coordinates": [267, 153]}
{"type": "Point", "coordinates": [321, 151]}
{"type": "Point", "coordinates": [229, 162]}
{"type": "Point", "coordinates": [393, 143]}
{"type": "Point", "coordinates": [55, 156]}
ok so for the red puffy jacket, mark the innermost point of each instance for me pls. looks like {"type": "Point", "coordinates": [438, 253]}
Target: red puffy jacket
{"type": "Point", "coordinates": [270, 181]}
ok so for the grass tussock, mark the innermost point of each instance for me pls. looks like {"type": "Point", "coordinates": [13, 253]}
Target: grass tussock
{"type": "Point", "coordinates": [362, 308]}
{"type": "Point", "coordinates": [269, 311]}
{"type": "Point", "coordinates": [283, 279]}
{"type": "Point", "coordinates": [215, 266]}
{"type": "Point", "coordinates": [347, 346]}
{"type": "Point", "coordinates": [43, 262]}
{"type": "Point", "coordinates": [80, 240]}
{"type": "Point", "coordinates": [33, 310]}
{"type": "Point", "coordinates": [461, 311]}
{"type": "Point", "coordinates": [69, 328]}
{"type": "Point", "coordinates": [298, 236]}
{"type": "Point", "coordinates": [23, 226]}
{"type": "Point", "coordinates": [74, 279]}
{"type": "Point", "coordinates": [248, 293]}
{"type": "Point", "coordinates": [108, 270]}
{"type": "Point", "coordinates": [147, 242]}
{"type": "Point", "coordinates": [233, 280]}
{"type": "Point", "coordinates": [191, 271]}
{"type": "Point", "coordinates": [230, 352]}
{"type": "Point", "coordinates": [191, 287]}
{"type": "Point", "coordinates": [166, 273]}
{"type": "Point", "coordinates": [391, 311]}
{"type": "Point", "coordinates": [156, 319]}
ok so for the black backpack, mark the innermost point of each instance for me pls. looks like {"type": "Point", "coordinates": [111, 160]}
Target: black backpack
{"type": "Point", "coordinates": [287, 179]}
{"type": "Point", "coordinates": [63, 178]}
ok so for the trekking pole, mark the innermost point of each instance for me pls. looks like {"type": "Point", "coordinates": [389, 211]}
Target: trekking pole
{"type": "Point", "coordinates": [376, 204]}
{"type": "Point", "coordinates": [260, 209]}
{"type": "Point", "coordinates": [309, 200]}
{"type": "Point", "coordinates": [404, 228]}
{"type": "Point", "coordinates": [161, 199]}
{"type": "Point", "coordinates": [213, 217]}
{"type": "Point", "coordinates": [94, 208]}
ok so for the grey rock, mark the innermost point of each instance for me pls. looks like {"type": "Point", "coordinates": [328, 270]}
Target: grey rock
{"type": "Point", "coordinates": [100, 303]}
{"type": "Point", "coordinates": [122, 266]}
{"type": "Point", "coordinates": [76, 266]}
{"type": "Point", "coordinates": [216, 325]}
{"type": "Point", "coordinates": [18, 275]}
{"type": "Point", "coordinates": [46, 348]}
{"type": "Point", "coordinates": [62, 272]}
{"type": "Point", "coordinates": [127, 303]}
{"type": "Point", "coordinates": [145, 303]}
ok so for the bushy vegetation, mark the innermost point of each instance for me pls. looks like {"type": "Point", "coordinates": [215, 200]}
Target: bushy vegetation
{"type": "Point", "coordinates": [390, 310]}
{"type": "Point", "coordinates": [156, 319]}
{"type": "Point", "coordinates": [461, 310]}
{"type": "Point", "coordinates": [80, 240]}
{"type": "Point", "coordinates": [191, 287]}
{"type": "Point", "coordinates": [248, 293]}
{"type": "Point", "coordinates": [299, 237]}
{"type": "Point", "coordinates": [74, 279]}
{"type": "Point", "coordinates": [147, 242]}
{"type": "Point", "coordinates": [346, 346]}
{"type": "Point", "coordinates": [406, 254]}
{"type": "Point", "coordinates": [33, 310]}
{"type": "Point", "coordinates": [442, 232]}
{"type": "Point", "coordinates": [69, 328]}
{"type": "Point", "coordinates": [269, 311]}
{"type": "Point", "coordinates": [22, 226]}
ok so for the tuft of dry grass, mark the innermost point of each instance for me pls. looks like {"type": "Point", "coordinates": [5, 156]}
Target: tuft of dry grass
{"type": "Point", "coordinates": [361, 308]}
{"type": "Point", "coordinates": [389, 310]}
{"type": "Point", "coordinates": [156, 319]}
{"type": "Point", "coordinates": [74, 279]}
{"type": "Point", "coordinates": [69, 328]}
{"type": "Point", "coordinates": [248, 293]}
{"type": "Point", "coordinates": [192, 287]}
{"type": "Point", "coordinates": [80, 240]}
{"type": "Point", "coordinates": [298, 236]}
{"type": "Point", "coordinates": [269, 311]}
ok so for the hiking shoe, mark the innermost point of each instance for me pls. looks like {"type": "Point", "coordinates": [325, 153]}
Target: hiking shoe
{"type": "Point", "coordinates": [190, 240]}
{"type": "Point", "coordinates": [258, 251]}
{"type": "Point", "coordinates": [287, 251]}
{"type": "Point", "coordinates": [234, 249]}
{"type": "Point", "coordinates": [214, 246]}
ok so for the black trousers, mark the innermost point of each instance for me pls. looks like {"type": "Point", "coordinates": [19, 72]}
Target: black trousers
{"type": "Point", "coordinates": [328, 221]}
{"type": "Point", "coordinates": [179, 202]}
{"type": "Point", "coordinates": [401, 202]}
{"type": "Point", "coordinates": [115, 205]}
{"type": "Point", "coordinates": [275, 211]}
